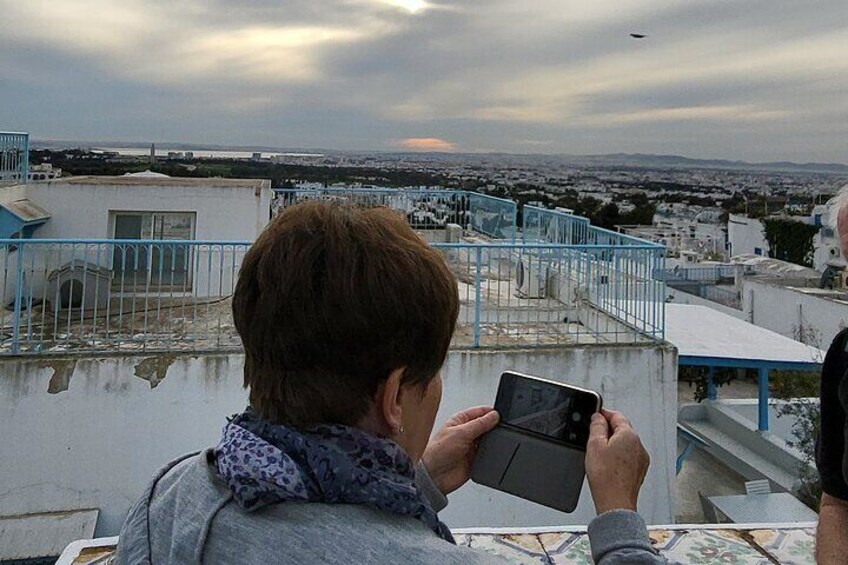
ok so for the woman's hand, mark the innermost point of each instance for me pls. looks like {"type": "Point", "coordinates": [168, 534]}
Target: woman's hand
{"type": "Point", "coordinates": [616, 462]}
{"type": "Point", "coordinates": [450, 454]}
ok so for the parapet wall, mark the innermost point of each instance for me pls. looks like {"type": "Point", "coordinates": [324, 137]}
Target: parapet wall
{"type": "Point", "coordinates": [83, 432]}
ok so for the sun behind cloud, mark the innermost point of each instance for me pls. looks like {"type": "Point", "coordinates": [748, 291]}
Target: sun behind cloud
{"type": "Point", "coordinates": [426, 144]}
{"type": "Point", "coordinates": [411, 6]}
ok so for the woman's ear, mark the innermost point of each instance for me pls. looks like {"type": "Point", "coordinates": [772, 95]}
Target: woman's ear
{"type": "Point", "coordinates": [389, 401]}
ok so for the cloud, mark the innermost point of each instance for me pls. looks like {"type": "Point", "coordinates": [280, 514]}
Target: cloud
{"type": "Point", "coordinates": [426, 144]}
{"type": "Point", "coordinates": [411, 6]}
{"type": "Point", "coordinates": [362, 74]}
{"type": "Point", "coordinates": [735, 114]}
{"type": "Point", "coordinates": [158, 42]}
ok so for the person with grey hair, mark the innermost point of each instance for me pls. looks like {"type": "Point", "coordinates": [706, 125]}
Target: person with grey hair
{"type": "Point", "coordinates": [831, 452]}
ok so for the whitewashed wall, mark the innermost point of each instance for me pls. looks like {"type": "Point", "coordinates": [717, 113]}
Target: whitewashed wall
{"type": "Point", "coordinates": [81, 210]}
{"type": "Point", "coordinates": [744, 235]}
{"type": "Point", "coordinates": [83, 433]}
{"type": "Point", "coordinates": [676, 296]}
{"type": "Point", "coordinates": [225, 210]}
{"type": "Point", "coordinates": [785, 311]}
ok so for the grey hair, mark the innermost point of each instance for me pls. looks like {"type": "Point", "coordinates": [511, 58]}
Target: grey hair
{"type": "Point", "coordinates": [836, 204]}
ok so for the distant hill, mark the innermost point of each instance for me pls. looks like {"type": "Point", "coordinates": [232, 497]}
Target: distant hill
{"type": "Point", "coordinates": [677, 161]}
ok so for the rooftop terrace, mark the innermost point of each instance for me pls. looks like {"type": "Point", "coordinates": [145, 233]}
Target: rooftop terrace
{"type": "Point", "coordinates": [557, 280]}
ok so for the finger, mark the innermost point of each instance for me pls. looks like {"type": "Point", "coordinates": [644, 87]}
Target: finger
{"type": "Point", "coordinates": [617, 420]}
{"type": "Point", "coordinates": [468, 415]}
{"type": "Point", "coordinates": [479, 426]}
{"type": "Point", "coordinates": [598, 429]}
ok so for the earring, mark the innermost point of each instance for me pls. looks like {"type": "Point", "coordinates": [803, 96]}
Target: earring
{"type": "Point", "coordinates": [400, 429]}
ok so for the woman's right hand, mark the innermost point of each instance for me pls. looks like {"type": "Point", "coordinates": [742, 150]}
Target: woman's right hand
{"type": "Point", "coordinates": [450, 454]}
{"type": "Point", "coordinates": [616, 462]}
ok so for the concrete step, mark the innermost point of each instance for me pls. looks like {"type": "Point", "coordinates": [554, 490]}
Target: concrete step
{"type": "Point", "coordinates": [765, 444]}
{"type": "Point", "coordinates": [739, 457]}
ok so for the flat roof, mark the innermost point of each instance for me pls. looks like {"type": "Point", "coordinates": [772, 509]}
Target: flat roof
{"type": "Point", "coordinates": [703, 333]}
{"type": "Point", "coordinates": [26, 210]}
{"type": "Point", "coordinates": [169, 181]}
{"type": "Point", "coordinates": [838, 295]}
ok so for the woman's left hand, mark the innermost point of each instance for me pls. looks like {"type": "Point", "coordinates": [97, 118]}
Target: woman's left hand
{"type": "Point", "coordinates": [450, 454]}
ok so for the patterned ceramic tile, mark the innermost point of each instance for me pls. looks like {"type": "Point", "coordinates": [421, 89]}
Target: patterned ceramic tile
{"type": "Point", "coordinates": [789, 547]}
{"type": "Point", "coordinates": [792, 546]}
{"type": "Point", "coordinates": [516, 548]}
{"type": "Point", "coordinates": [567, 548]}
{"type": "Point", "coordinates": [702, 547]}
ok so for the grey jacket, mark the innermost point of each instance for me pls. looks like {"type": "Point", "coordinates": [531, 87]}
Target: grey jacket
{"type": "Point", "coordinates": [187, 515]}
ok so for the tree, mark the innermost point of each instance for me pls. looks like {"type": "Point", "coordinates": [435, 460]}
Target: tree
{"type": "Point", "coordinates": [642, 215]}
{"type": "Point", "coordinates": [790, 240]}
{"type": "Point", "coordinates": [608, 216]}
{"type": "Point", "coordinates": [801, 392]}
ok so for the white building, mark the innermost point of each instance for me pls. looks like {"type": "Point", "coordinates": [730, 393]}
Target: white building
{"type": "Point", "coordinates": [144, 206]}
{"type": "Point", "coordinates": [45, 171]}
{"type": "Point", "coordinates": [153, 207]}
{"type": "Point", "coordinates": [684, 238]}
{"type": "Point", "coordinates": [826, 241]}
{"type": "Point", "coordinates": [807, 314]}
{"type": "Point", "coordinates": [772, 294]}
{"type": "Point", "coordinates": [746, 236]}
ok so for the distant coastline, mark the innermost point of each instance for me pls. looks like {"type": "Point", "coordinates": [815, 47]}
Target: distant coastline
{"type": "Point", "coordinates": [626, 160]}
{"type": "Point", "coordinates": [200, 153]}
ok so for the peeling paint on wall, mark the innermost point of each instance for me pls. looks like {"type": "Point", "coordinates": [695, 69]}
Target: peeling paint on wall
{"type": "Point", "coordinates": [63, 370]}
{"type": "Point", "coordinates": [154, 369]}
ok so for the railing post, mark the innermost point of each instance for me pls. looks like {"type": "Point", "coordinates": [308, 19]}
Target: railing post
{"type": "Point", "coordinates": [712, 393]}
{"type": "Point", "coordinates": [25, 157]}
{"type": "Point", "coordinates": [514, 221]}
{"type": "Point", "coordinates": [763, 393]}
{"type": "Point", "coordinates": [19, 296]}
{"type": "Point", "coordinates": [479, 298]}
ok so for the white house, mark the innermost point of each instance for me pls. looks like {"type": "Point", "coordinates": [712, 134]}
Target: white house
{"type": "Point", "coordinates": [746, 236]}
{"type": "Point", "coordinates": [43, 172]}
{"type": "Point", "coordinates": [153, 207]}
{"type": "Point", "coordinates": [826, 242]}
{"type": "Point", "coordinates": [145, 206]}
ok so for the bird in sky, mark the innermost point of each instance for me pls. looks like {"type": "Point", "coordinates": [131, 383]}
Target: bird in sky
{"type": "Point", "coordinates": [638, 35]}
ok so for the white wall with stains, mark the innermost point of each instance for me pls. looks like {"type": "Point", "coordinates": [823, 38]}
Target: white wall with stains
{"type": "Point", "coordinates": [89, 433]}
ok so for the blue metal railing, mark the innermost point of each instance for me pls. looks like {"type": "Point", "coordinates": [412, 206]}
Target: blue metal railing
{"type": "Point", "coordinates": [424, 208]}
{"type": "Point", "coordinates": [495, 217]}
{"type": "Point", "coordinates": [62, 296]}
{"type": "Point", "coordinates": [14, 157]}
{"type": "Point", "coordinates": [94, 295]}
{"type": "Point", "coordinates": [557, 226]}
{"type": "Point", "coordinates": [548, 294]}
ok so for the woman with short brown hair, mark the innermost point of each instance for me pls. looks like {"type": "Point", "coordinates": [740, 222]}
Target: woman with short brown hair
{"type": "Point", "coordinates": [346, 316]}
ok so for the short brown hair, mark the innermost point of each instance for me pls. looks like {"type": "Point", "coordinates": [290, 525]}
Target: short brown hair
{"type": "Point", "coordinates": [331, 298]}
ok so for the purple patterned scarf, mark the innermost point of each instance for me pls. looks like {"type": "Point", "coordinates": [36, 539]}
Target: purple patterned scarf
{"type": "Point", "coordinates": [265, 463]}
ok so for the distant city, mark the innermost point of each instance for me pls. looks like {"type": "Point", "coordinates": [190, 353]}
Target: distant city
{"type": "Point", "coordinates": [626, 180]}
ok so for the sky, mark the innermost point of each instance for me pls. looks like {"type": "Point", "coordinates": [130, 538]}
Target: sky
{"type": "Point", "coordinates": [757, 80]}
